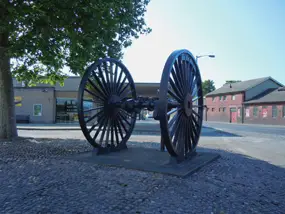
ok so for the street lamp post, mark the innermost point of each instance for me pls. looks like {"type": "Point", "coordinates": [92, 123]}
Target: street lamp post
{"type": "Point", "coordinates": [211, 56]}
{"type": "Point", "coordinates": [197, 57]}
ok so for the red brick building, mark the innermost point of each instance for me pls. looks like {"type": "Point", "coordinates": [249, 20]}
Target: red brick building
{"type": "Point", "coordinates": [251, 101]}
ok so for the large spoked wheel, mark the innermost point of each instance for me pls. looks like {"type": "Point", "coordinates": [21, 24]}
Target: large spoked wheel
{"type": "Point", "coordinates": [180, 106]}
{"type": "Point", "coordinates": [103, 122]}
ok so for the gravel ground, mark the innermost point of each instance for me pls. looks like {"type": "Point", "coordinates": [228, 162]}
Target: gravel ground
{"type": "Point", "coordinates": [34, 178]}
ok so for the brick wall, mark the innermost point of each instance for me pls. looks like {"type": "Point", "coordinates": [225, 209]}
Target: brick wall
{"type": "Point", "coordinates": [262, 117]}
{"type": "Point", "coordinates": [219, 110]}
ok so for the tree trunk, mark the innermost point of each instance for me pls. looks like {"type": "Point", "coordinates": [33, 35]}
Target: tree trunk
{"type": "Point", "coordinates": [8, 129]}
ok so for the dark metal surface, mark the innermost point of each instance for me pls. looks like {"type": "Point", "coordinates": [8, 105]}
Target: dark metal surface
{"type": "Point", "coordinates": [181, 98]}
{"type": "Point", "coordinates": [105, 125]}
{"type": "Point", "coordinates": [108, 123]}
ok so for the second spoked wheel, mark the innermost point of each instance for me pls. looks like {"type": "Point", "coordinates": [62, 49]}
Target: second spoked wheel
{"type": "Point", "coordinates": [180, 104]}
{"type": "Point", "coordinates": [106, 125]}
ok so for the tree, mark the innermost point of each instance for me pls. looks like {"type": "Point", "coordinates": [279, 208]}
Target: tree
{"type": "Point", "coordinates": [39, 38]}
{"type": "Point", "coordinates": [208, 86]}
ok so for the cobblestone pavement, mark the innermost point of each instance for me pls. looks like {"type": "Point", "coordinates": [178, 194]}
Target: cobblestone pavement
{"type": "Point", "coordinates": [34, 178]}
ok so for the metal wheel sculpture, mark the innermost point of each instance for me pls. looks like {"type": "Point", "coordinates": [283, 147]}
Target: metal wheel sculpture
{"type": "Point", "coordinates": [180, 104]}
{"type": "Point", "coordinates": [108, 105]}
{"type": "Point", "coordinates": [104, 123]}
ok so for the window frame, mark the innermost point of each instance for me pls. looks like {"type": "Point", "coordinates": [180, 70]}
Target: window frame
{"type": "Point", "coordinates": [276, 109]}
{"type": "Point", "coordinates": [257, 110]}
{"type": "Point", "coordinates": [41, 112]}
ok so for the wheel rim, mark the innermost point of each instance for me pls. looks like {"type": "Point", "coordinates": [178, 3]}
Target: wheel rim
{"type": "Point", "coordinates": [181, 84]}
{"type": "Point", "coordinates": [104, 124]}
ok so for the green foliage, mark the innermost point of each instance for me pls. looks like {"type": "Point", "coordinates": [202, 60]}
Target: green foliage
{"type": "Point", "coordinates": [208, 86]}
{"type": "Point", "coordinates": [46, 35]}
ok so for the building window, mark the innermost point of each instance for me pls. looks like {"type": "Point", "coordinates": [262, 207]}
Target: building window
{"type": "Point", "coordinates": [255, 111]}
{"type": "Point", "coordinates": [264, 111]}
{"type": "Point", "coordinates": [225, 97]}
{"type": "Point", "coordinates": [247, 112]}
{"type": "Point", "coordinates": [224, 109]}
{"type": "Point", "coordinates": [284, 111]}
{"type": "Point", "coordinates": [37, 109]}
{"type": "Point", "coordinates": [239, 112]}
{"type": "Point", "coordinates": [233, 97]}
{"type": "Point", "coordinates": [66, 110]}
{"type": "Point", "coordinates": [213, 99]}
{"type": "Point", "coordinates": [213, 109]}
{"type": "Point", "coordinates": [274, 111]}
{"type": "Point", "coordinates": [221, 98]}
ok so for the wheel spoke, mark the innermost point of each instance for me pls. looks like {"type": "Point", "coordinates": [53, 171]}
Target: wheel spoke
{"type": "Point", "coordinates": [115, 79]}
{"type": "Point", "coordinates": [191, 77]}
{"type": "Point", "coordinates": [196, 113]}
{"type": "Point", "coordinates": [194, 83]}
{"type": "Point", "coordinates": [197, 106]}
{"type": "Point", "coordinates": [181, 68]}
{"type": "Point", "coordinates": [124, 118]}
{"type": "Point", "coordinates": [126, 94]}
{"type": "Point", "coordinates": [187, 137]}
{"type": "Point", "coordinates": [186, 74]}
{"type": "Point", "coordinates": [179, 145]}
{"type": "Point", "coordinates": [122, 124]}
{"type": "Point", "coordinates": [118, 82]}
{"type": "Point", "coordinates": [99, 128]}
{"type": "Point", "coordinates": [195, 121]}
{"type": "Point", "coordinates": [93, 109]}
{"type": "Point", "coordinates": [107, 73]}
{"type": "Point", "coordinates": [192, 132]}
{"type": "Point", "coordinates": [176, 124]}
{"type": "Point", "coordinates": [96, 115]}
{"type": "Point", "coordinates": [174, 96]}
{"type": "Point", "coordinates": [172, 111]}
{"type": "Point", "coordinates": [96, 124]}
{"type": "Point", "coordinates": [179, 77]}
{"type": "Point", "coordinates": [122, 84]}
{"type": "Point", "coordinates": [194, 129]}
{"type": "Point", "coordinates": [103, 90]}
{"type": "Point", "coordinates": [100, 72]}
{"type": "Point", "coordinates": [104, 131]}
{"type": "Point", "coordinates": [176, 130]}
{"type": "Point", "coordinates": [120, 130]}
{"type": "Point", "coordinates": [122, 91]}
{"type": "Point", "coordinates": [108, 132]}
{"type": "Point", "coordinates": [176, 81]}
{"type": "Point", "coordinates": [112, 132]}
{"type": "Point", "coordinates": [195, 99]}
{"type": "Point", "coordinates": [174, 119]}
{"type": "Point", "coordinates": [94, 95]}
{"type": "Point", "coordinates": [195, 91]}
{"type": "Point", "coordinates": [116, 132]}
{"type": "Point", "coordinates": [176, 90]}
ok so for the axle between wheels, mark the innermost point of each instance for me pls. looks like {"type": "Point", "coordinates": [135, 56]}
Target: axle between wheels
{"type": "Point", "coordinates": [108, 104]}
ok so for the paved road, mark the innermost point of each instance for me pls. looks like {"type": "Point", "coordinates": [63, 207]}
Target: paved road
{"type": "Point", "coordinates": [275, 130]}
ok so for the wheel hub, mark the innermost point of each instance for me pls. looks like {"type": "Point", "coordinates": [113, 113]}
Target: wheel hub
{"type": "Point", "coordinates": [188, 104]}
{"type": "Point", "coordinates": [110, 106]}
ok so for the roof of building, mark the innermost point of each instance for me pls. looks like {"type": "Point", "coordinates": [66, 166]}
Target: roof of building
{"type": "Point", "coordinates": [240, 86]}
{"type": "Point", "coordinates": [271, 95]}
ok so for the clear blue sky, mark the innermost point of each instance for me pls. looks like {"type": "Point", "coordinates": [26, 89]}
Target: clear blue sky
{"type": "Point", "coordinates": [247, 37]}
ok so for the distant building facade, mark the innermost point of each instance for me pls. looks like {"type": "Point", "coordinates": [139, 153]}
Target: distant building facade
{"type": "Point", "coordinates": [55, 104]}
{"type": "Point", "coordinates": [260, 101]}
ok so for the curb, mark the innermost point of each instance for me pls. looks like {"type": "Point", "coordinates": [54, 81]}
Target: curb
{"type": "Point", "coordinates": [77, 129]}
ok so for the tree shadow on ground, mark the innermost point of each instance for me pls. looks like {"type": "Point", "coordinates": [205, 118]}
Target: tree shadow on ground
{"type": "Point", "coordinates": [234, 183]}
{"type": "Point", "coordinates": [206, 132]}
